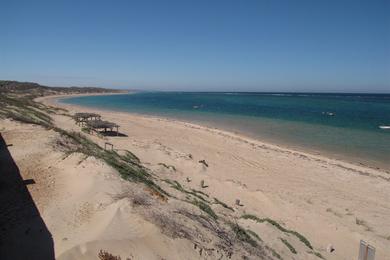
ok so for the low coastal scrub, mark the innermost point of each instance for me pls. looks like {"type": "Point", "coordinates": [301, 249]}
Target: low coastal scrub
{"type": "Point", "coordinates": [127, 165]}
{"type": "Point", "coordinates": [246, 237]}
{"type": "Point", "coordinates": [216, 201]}
{"type": "Point", "coordinates": [242, 235]}
{"type": "Point", "coordinates": [131, 158]}
{"type": "Point", "coordinates": [168, 166]}
{"type": "Point", "coordinates": [289, 246]}
{"type": "Point", "coordinates": [104, 255]}
{"type": "Point", "coordinates": [316, 254]}
{"type": "Point", "coordinates": [278, 226]}
{"type": "Point", "coordinates": [274, 253]}
{"type": "Point", "coordinates": [86, 130]}
{"type": "Point", "coordinates": [25, 110]}
{"type": "Point", "coordinates": [253, 234]}
{"type": "Point", "coordinates": [204, 207]}
{"type": "Point", "coordinates": [200, 192]}
{"type": "Point", "coordinates": [177, 186]}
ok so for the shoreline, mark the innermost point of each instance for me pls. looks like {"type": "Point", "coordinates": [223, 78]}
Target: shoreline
{"type": "Point", "coordinates": [326, 200]}
{"type": "Point", "coordinates": [55, 100]}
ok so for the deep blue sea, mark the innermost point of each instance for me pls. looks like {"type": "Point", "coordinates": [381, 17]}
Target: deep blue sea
{"type": "Point", "coordinates": [341, 126]}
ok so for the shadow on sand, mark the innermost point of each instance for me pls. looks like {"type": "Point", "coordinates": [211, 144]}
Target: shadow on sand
{"type": "Point", "coordinates": [112, 133]}
{"type": "Point", "coordinates": [23, 233]}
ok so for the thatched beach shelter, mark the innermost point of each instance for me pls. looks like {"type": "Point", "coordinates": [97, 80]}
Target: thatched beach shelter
{"type": "Point", "coordinates": [99, 125]}
{"type": "Point", "coordinates": [82, 118]}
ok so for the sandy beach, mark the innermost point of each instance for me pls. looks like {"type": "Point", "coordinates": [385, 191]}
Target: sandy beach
{"type": "Point", "coordinates": [330, 202]}
{"type": "Point", "coordinates": [186, 130]}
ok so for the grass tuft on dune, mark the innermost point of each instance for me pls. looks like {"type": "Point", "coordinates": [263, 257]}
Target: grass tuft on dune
{"type": "Point", "coordinates": [127, 165]}
{"type": "Point", "coordinates": [278, 226]}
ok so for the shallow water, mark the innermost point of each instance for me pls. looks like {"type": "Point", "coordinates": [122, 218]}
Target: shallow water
{"type": "Point", "coordinates": [342, 126]}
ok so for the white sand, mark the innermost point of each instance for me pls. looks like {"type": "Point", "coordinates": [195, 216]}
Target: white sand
{"type": "Point", "coordinates": [319, 197]}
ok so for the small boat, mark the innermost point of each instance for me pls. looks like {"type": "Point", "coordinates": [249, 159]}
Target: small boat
{"type": "Point", "coordinates": [384, 127]}
{"type": "Point", "coordinates": [196, 107]}
{"type": "Point", "coordinates": [328, 113]}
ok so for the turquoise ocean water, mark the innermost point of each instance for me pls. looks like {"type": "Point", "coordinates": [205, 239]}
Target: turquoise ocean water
{"type": "Point", "coordinates": [341, 126]}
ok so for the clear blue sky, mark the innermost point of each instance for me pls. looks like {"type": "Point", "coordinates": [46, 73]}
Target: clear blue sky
{"type": "Point", "coordinates": [274, 45]}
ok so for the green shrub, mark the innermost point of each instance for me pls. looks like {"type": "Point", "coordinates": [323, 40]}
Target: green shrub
{"type": "Point", "coordinates": [177, 186]}
{"type": "Point", "coordinates": [278, 226]}
{"type": "Point", "coordinates": [242, 235]}
{"type": "Point", "coordinates": [292, 249]}
{"type": "Point", "coordinates": [204, 207]}
{"type": "Point", "coordinates": [252, 233]}
{"type": "Point", "coordinates": [216, 201]}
